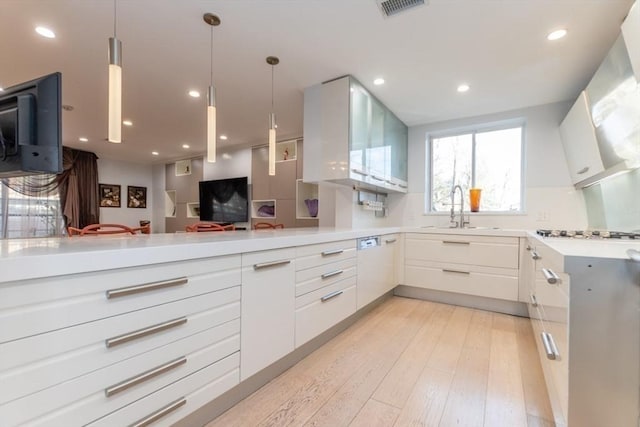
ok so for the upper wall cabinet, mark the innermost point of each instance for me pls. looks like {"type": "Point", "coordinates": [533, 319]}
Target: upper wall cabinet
{"type": "Point", "coordinates": [579, 141]}
{"type": "Point", "coordinates": [358, 140]}
{"type": "Point", "coordinates": [631, 34]}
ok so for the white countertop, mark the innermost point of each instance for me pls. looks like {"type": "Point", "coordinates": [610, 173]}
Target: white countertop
{"type": "Point", "coordinates": [22, 259]}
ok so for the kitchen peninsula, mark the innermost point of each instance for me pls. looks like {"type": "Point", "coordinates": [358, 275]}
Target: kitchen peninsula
{"type": "Point", "coordinates": [115, 330]}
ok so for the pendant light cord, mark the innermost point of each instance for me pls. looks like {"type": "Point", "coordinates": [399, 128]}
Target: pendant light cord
{"type": "Point", "coordinates": [115, 15]}
{"type": "Point", "coordinates": [211, 58]}
{"type": "Point", "coordinates": [272, 88]}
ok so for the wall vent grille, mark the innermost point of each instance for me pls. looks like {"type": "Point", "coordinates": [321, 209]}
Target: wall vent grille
{"type": "Point", "coordinates": [393, 7]}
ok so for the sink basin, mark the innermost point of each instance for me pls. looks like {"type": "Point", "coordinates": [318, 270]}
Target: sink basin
{"type": "Point", "coordinates": [456, 228]}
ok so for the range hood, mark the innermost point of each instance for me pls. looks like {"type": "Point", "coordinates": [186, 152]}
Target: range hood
{"type": "Point", "coordinates": [613, 96]}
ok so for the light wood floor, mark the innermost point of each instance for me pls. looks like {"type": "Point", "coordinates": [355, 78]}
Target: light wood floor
{"type": "Point", "coordinates": [410, 362]}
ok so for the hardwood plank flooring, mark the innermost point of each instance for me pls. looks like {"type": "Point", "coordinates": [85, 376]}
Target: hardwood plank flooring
{"type": "Point", "coordinates": [410, 362]}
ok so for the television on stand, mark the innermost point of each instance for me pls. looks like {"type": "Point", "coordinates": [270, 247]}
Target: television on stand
{"type": "Point", "coordinates": [224, 200]}
{"type": "Point", "coordinates": [30, 127]}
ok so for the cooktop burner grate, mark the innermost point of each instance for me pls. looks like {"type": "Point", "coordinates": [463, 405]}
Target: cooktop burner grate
{"type": "Point", "coordinates": [588, 234]}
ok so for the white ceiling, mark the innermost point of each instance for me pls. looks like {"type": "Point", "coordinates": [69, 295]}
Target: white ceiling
{"type": "Point", "coordinates": [497, 46]}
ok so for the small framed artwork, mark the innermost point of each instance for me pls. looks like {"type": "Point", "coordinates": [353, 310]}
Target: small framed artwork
{"type": "Point", "coordinates": [136, 197]}
{"type": "Point", "coordinates": [109, 195]}
{"type": "Point", "coordinates": [183, 167]}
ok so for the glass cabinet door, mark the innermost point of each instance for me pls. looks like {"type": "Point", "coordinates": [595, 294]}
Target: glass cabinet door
{"type": "Point", "coordinates": [376, 158]}
{"type": "Point", "coordinates": [396, 138]}
{"type": "Point", "coordinates": [360, 117]}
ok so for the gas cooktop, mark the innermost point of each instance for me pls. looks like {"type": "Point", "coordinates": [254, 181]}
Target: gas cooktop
{"type": "Point", "coordinates": [588, 234]}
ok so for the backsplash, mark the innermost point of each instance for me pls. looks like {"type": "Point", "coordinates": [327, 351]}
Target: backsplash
{"type": "Point", "coordinates": [614, 204]}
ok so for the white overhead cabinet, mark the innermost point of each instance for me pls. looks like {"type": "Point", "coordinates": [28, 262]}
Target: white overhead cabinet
{"type": "Point", "coordinates": [631, 35]}
{"type": "Point", "coordinates": [358, 140]}
{"type": "Point", "coordinates": [580, 143]}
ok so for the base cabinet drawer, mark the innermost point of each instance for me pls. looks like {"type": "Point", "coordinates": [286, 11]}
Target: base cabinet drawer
{"type": "Point", "coordinates": [465, 280]}
{"type": "Point", "coordinates": [319, 310]}
{"type": "Point", "coordinates": [172, 403]}
{"type": "Point", "coordinates": [84, 399]}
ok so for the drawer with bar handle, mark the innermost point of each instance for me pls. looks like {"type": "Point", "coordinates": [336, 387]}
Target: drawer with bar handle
{"type": "Point", "coordinates": [310, 256]}
{"type": "Point", "coordinates": [69, 300]}
{"type": "Point", "coordinates": [317, 311]}
{"type": "Point", "coordinates": [83, 399]}
{"type": "Point", "coordinates": [41, 361]}
{"type": "Point", "coordinates": [314, 278]}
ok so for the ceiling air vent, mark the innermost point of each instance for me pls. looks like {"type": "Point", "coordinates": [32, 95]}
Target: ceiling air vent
{"type": "Point", "coordinates": [393, 7]}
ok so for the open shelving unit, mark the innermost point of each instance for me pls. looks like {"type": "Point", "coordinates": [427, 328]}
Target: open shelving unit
{"type": "Point", "coordinates": [305, 191]}
{"type": "Point", "coordinates": [286, 150]}
{"type": "Point", "coordinates": [257, 204]}
{"type": "Point", "coordinates": [193, 210]}
{"type": "Point", "coordinates": [170, 204]}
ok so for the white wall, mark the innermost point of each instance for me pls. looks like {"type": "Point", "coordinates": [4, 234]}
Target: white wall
{"type": "Point", "coordinates": [550, 200]}
{"type": "Point", "coordinates": [125, 174]}
{"type": "Point", "coordinates": [229, 164]}
{"type": "Point", "coordinates": [158, 187]}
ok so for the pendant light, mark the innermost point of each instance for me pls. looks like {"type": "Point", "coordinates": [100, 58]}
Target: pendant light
{"type": "Point", "coordinates": [115, 85]}
{"type": "Point", "coordinates": [213, 21]}
{"type": "Point", "coordinates": [273, 61]}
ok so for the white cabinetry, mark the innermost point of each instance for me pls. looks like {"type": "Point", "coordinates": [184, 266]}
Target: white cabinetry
{"type": "Point", "coordinates": [580, 143]}
{"type": "Point", "coordinates": [357, 137]}
{"type": "Point", "coordinates": [325, 287]}
{"type": "Point", "coordinates": [98, 342]}
{"type": "Point", "coordinates": [268, 300]}
{"type": "Point", "coordinates": [484, 266]}
{"type": "Point", "coordinates": [376, 269]}
{"type": "Point", "coordinates": [631, 35]}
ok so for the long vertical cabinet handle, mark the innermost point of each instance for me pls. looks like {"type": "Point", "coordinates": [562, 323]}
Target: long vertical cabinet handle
{"type": "Point", "coordinates": [128, 383]}
{"type": "Point", "coordinates": [534, 301]}
{"type": "Point", "coordinates": [162, 412]}
{"type": "Point", "coordinates": [150, 330]}
{"type": "Point", "coordinates": [550, 346]}
{"type": "Point", "coordinates": [137, 289]}
{"type": "Point", "coordinates": [552, 278]}
{"type": "Point", "coordinates": [270, 264]}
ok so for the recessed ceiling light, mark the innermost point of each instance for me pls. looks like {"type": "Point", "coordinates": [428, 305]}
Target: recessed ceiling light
{"type": "Point", "coordinates": [83, 139]}
{"type": "Point", "coordinates": [463, 88]}
{"type": "Point", "coordinates": [155, 153]}
{"type": "Point", "coordinates": [185, 145]}
{"type": "Point", "coordinates": [558, 34]}
{"type": "Point", "coordinates": [194, 94]}
{"type": "Point", "coordinates": [1, 89]}
{"type": "Point", "coordinates": [226, 156]}
{"type": "Point", "coordinates": [379, 81]}
{"type": "Point", "coordinates": [127, 122]}
{"type": "Point", "coordinates": [223, 137]}
{"type": "Point", "coordinates": [45, 32]}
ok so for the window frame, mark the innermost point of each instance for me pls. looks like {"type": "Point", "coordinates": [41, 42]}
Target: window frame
{"type": "Point", "coordinates": [474, 129]}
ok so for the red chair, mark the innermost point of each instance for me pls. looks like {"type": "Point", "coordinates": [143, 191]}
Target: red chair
{"type": "Point", "coordinates": [101, 229]}
{"type": "Point", "coordinates": [208, 226]}
{"type": "Point", "coordinates": [266, 226]}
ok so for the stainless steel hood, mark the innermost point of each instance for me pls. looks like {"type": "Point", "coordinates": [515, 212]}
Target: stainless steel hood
{"type": "Point", "coordinates": [614, 102]}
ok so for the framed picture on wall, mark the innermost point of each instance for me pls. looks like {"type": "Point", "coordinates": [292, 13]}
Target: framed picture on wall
{"type": "Point", "coordinates": [183, 167]}
{"type": "Point", "coordinates": [109, 195]}
{"type": "Point", "coordinates": [136, 197]}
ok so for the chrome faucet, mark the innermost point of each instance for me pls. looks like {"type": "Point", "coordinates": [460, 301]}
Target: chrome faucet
{"type": "Point", "coordinates": [462, 222]}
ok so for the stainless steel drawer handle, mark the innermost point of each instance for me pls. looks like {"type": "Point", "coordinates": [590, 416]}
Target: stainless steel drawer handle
{"type": "Point", "coordinates": [552, 278]}
{"type": "Point", "coordinates": [583, 170]}
{"type": "Point", "coordinates": [455, 242]}
{"type": "Point", "coordinates": [137, 289]}
{"type": "Point", "coordinates": [359, 172]}
{"type": "Point", "coordinates": [550, 346]}
{"type": "Point", "coordinates": [528, 247]}
{"type": "Point", "coordinates": [455, 271]}
{"type": "Point", "coordinates": [150, 330]}
{"type": "Point", "coordinates": [534, 300]}
{"type": "Point", "coordinates": [133, 381]}
{"type": "Point", "coordinates": [164, 411]}
{"type": "Point", "coordinates": [535, 255]}
{"type": "Point", "coordinates": [546, 342]}
{"type": "Point", "coordinates": [390, 241]}
{"type": "Point", "coordinates": [331, 296]}
{"type": "Point", "coordinates": [331, 274]}
{"type": "Point", "coordinates": [270, 264]}
{"type": "Point", "coordinates": [403, 186]}
{"type": "Point", "coordinates": [333, 252]}
{"type": "Point", "coordinates": [377, 178]}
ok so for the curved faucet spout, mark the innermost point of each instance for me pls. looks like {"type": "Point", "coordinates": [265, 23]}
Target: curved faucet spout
{"type": "Point", "coordinates": [460, 223]}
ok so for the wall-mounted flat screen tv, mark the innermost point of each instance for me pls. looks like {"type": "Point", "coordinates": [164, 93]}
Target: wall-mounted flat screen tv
{"type": "Point", "coordinates": [30, 127]}
{"type": "Point", "coordinates": [224, 200]}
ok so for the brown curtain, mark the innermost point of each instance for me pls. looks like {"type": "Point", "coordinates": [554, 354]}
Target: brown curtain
{"type": "Point", "coordinates": [77, 186]}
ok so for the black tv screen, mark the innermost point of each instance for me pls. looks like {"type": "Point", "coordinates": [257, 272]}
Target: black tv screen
{"type": "Point", "coordinates": [30, 127]}
{"type": "Point", "coordinates": [224, 200]}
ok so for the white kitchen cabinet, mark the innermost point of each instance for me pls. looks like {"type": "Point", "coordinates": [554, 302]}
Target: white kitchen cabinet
{"type": "Point", "coordinates": [86, 345]}
{"type": "Point", "coordinates": [631, 35]}
{"type": "Point", "coordinates": [376, 269]}
{"type": "Point", "coordinates": [579, 142]}
{"type": "Point", "coordinates": [268, 308]}
{"type": "Point", "coordinates": [325, 287]}
{"type": "Point", "coordinates": [483, 266]}
{"type": "Point", "coordinates": [356, 137]}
